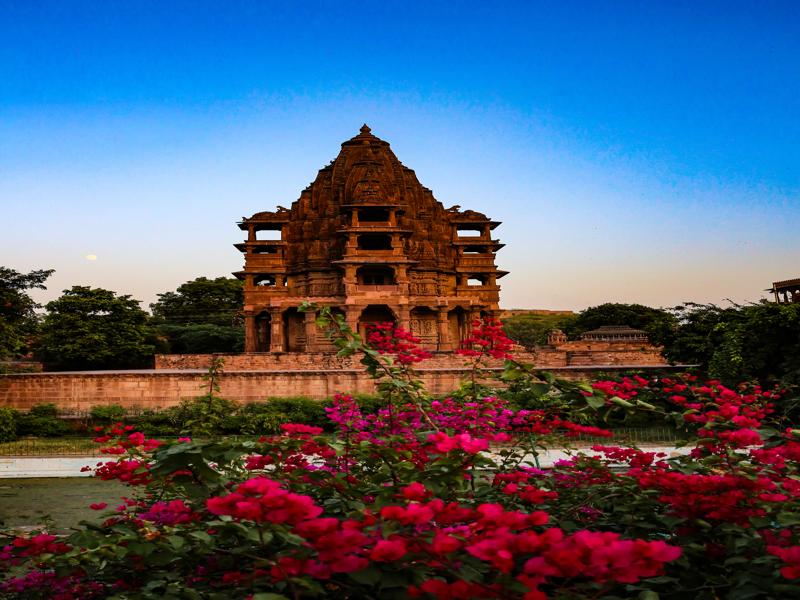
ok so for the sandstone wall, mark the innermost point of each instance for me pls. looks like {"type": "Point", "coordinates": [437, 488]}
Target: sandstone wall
{"type": "Point", "coordinates": [79, 391]}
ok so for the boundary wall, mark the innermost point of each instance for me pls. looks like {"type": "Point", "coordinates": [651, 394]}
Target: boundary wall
{"type": "Point", "coordinates": [161, 388]}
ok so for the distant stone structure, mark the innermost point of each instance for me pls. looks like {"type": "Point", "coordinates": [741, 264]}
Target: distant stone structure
{"type": "Point", "coordinates": [367, 239]}
{"type": "Point", "coordinates": [786, 292]}
{"type": "Point", "coordinates": [610, 345]}
{"type": "Point", "coordinates": [615, 333]}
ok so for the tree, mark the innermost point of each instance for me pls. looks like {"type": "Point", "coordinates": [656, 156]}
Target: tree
{"type": "Point", "coordinates": [18, 320]}
{"type": "Point", "coordinates": [201, 316]}
{"type": "Point", "coordinates": [93, 328]}
{"type": "Point", "coordinates": [657, 322]}
{"type": "Point", "coordinates": [741, 342]}
{"type": "Point", "coordinates": [531, 330]}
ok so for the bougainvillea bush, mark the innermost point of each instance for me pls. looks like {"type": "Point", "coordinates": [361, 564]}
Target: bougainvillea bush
{"type": "Point", "coordinates": [444, 499]}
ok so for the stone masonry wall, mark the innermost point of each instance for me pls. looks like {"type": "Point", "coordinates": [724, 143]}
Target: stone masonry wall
{"type": "Point", "coordinates": [79, 391]}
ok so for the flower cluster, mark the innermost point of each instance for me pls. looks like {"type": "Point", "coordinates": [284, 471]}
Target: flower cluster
{"type": "Point", "coordinates": [388, 338]}
{"type": "Point", "coordinates": [264, 500]}
{"type": "Point", "coordinates": [487, 338]}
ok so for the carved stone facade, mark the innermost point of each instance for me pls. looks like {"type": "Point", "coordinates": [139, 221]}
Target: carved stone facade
{"type": "Point", "coordinates": [369, 240]}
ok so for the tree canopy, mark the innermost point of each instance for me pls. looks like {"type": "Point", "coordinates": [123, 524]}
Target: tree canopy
{"type": "Point", "coordinates": [18, 320]}
{"type": "Point", "coordinates": [657, 322]}
{"type": "Point", "coordinates": [202, 315]}
{"type": "Point", "coordinates": [529, 330]}
{"type": "Point", "coordinates": [93, 328]}
{"type": "Point", "coordinates": [740, 342]}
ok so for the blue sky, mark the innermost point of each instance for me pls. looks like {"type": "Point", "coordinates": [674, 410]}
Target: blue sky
{"type": "Point", "coordinates": [635, 151]}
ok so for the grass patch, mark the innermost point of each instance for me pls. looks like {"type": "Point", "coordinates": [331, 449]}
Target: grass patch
{"type": "Point", "coordinates": [63, 446]}
{"type": "Point", "coordinates": [56, 503]}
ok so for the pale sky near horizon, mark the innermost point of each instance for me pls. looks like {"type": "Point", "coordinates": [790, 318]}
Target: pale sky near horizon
{"type": "Point", "coordinates": [635, 151]}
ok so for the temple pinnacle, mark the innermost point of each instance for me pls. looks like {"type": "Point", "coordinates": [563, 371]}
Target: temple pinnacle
{"type": "Point", "coordinates": [365, 129]}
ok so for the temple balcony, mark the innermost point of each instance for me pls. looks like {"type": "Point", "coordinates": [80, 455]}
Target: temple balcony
{"type": "Point", "coordinates": [261, 295]}
{"type": "Point", "coordinates": [257, 262]}
{"type": "Point", "coordinates": [476, 260]}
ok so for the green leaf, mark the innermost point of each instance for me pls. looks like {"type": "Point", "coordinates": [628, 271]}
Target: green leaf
{"type": "Point", "coordinates": [789, 518]}
{"type": "Point", "coordinates": [648, 595]}
{"type": "Point", "coordinates": [268, 596]}
{"type": "Point", "coordinates": [368, 576]}
{"type": "Point", "coordinates": [595, 401]}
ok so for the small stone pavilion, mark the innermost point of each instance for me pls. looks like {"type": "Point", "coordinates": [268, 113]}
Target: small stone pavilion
{"type": "Point", "coordinates": [786, 292]}
{"type": "Point", "coordinates": [368, 239]}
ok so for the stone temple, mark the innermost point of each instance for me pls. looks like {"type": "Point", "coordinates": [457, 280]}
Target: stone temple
{"type": "Point", "coordinates": [368, 239]}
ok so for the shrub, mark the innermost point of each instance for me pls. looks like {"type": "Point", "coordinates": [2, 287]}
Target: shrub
{"type": "Point", "coordinates": [42, 421]}
{"type": "Point", "coordinates": [8, 424]}
{"type": "Point", "coordinates": [107, 414]}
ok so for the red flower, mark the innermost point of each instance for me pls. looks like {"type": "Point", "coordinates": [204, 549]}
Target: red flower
{"type": "Point", "coordinates": [388, 550]}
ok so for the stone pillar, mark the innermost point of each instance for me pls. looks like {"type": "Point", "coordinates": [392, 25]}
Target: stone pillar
{"type": "Point", "coordinates": [351, 315]}
{"type": "Point", "coordinates": [443, 329]}
{"type": "Point", "coordinates": [404, 317]}
{"type": "Point", "coordinates": [250, 333]}
{"type": "Point", "coordinates": [311, 331]}
{"type": "Point", "coordinates": [276, 334]}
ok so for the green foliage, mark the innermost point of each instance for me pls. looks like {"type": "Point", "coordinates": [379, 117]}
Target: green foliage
{"type": "Point", "coordinates": [106, 414]}
{"type": "Point", "coordinates": [8, 424]}
{"type": "Point", "coordinates": [740, 342]}
{"type": "Point", "coordinates": [659, 324]}
{"type": "Point", "coordinates": [531, 330]}
{"type": "Point", "coordinates": [202, 316]}
{"type": "Point", "coordinates": [204, 338]}
{"type": "Point", "coordinates": [267, 417]}
{"type": "Point", "coordinates": [18, 321]}
{"type": "Point", "coordinates": [41, 421]}
{"type": "Point", "coordinates": [207, 415]}
{"type": "Point", "coordinates": [166, 422]}
{"type": "Point", "coordinates": [93, 328]}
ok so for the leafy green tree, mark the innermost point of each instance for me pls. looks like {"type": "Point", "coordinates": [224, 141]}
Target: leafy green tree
{"type": "Point", "coordinates": [18, 320]}
{"type": "Point", "coordinates": [93, 328]}
{"type": "Point", "coordinates": [202, 316]}
{"type": "Point", "coordinates": [531, 330]}
{"type": "Point", "coordinates": [740, 342]}
{"type": "Point", "coordinates": [659, 323]}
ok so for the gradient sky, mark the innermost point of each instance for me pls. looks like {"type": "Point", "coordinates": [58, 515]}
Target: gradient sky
{"type": "Point", "coordinates": [635, 151]}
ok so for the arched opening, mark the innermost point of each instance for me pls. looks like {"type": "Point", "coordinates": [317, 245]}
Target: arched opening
{"type": "Point", "coordinates": [476, 280]}
{"type": "Point", "coordinates": [264, 281]}
{"type": "Point", "coordinates": [294, 331]}
{"type": "Point", "coordinates": [372, 314]}
{"type": "Point", "coordinates": [375, 275]}
{"type": "Point", "coordinates": [375, 241]}
{"type": "Point", "coordinates": [263, 331]}
{"type": "Point", "coordinates": [468, 231]}
{"type": "Point", "coordinates": [423, 325]}
{"type": "Point", "coordinates": [267, 233]}
{"type": "Point", "coordinates": [458, 322]}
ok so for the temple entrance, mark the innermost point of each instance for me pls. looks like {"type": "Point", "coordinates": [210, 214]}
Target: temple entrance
{"type": "Point", "coordinates": [263, 331]}
{"type": "Point", "coordinates": [374, 313]}
{"type": "Point", "coordinates": [294, 331]}
{"type": "Point", "coordinates": [458, 322]}
{"type": "Point", "coordinates": [423, 325]}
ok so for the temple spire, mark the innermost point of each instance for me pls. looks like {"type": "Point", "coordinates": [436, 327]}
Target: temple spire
{"type": "Point", "coordinates": [365, 130]}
